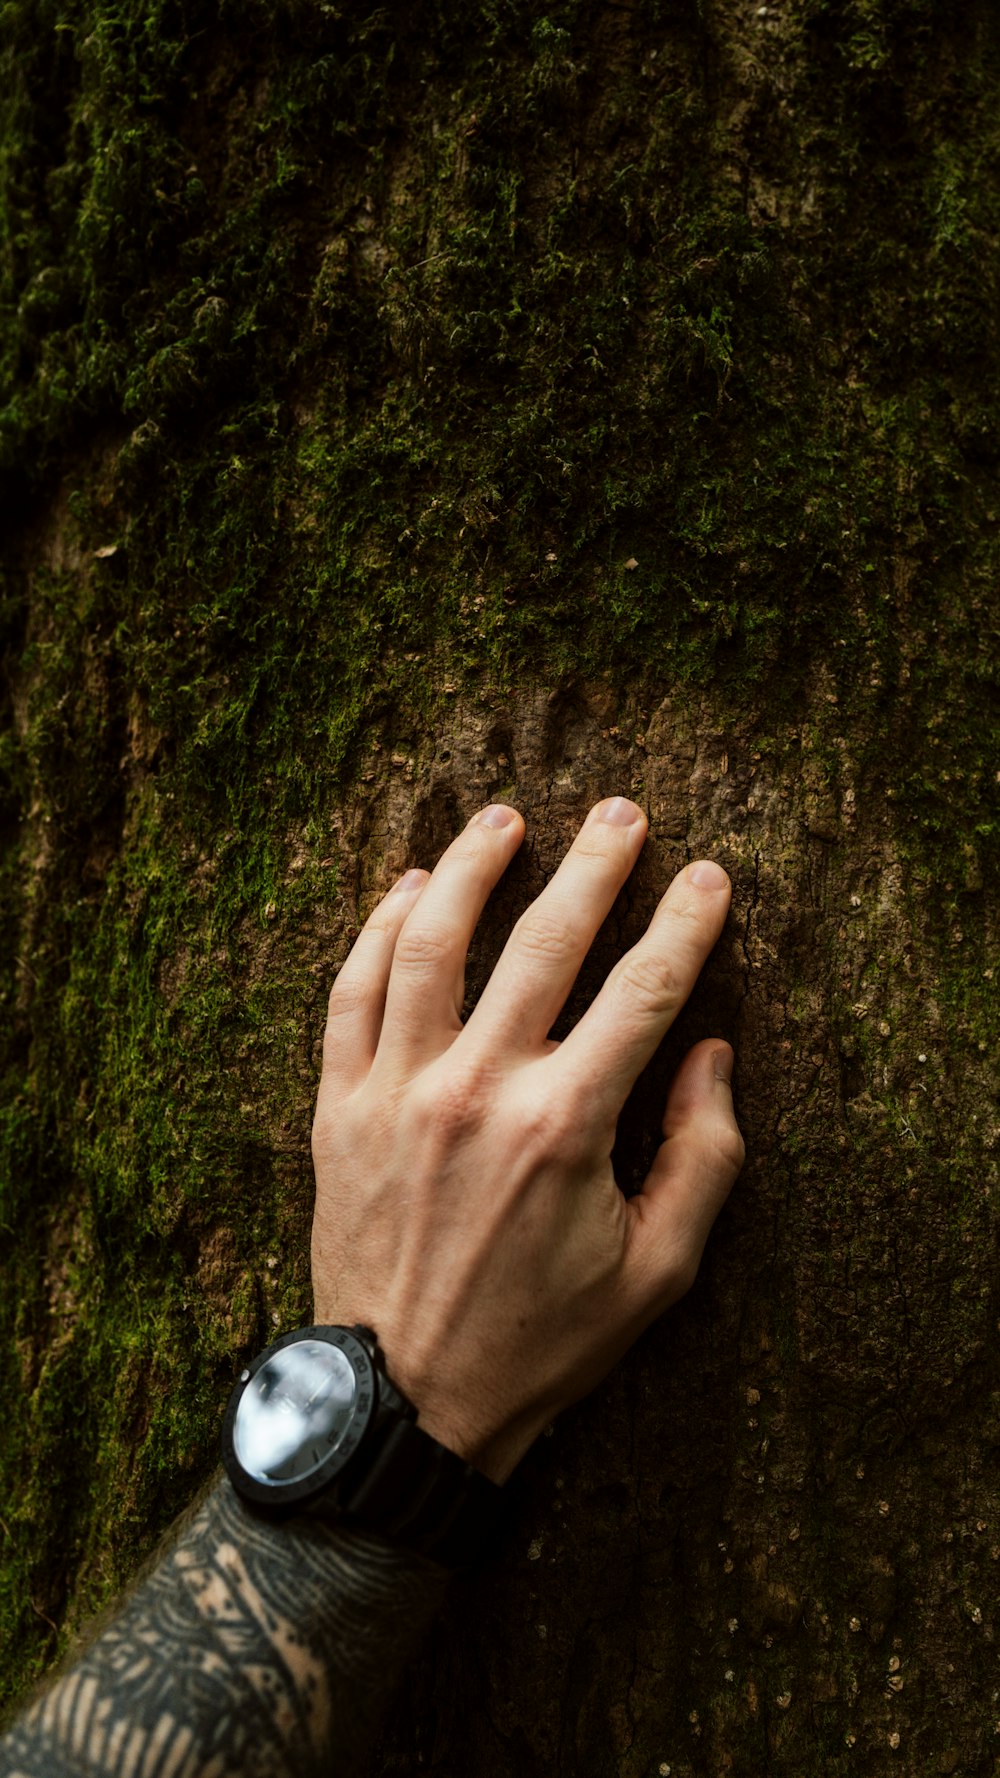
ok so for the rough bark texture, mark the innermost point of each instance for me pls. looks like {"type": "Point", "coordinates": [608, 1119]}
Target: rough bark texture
{"type": "Point", "coordinates": [405, 410]}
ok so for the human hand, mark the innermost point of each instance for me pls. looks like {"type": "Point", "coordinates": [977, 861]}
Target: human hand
{"type": "Point", "coordinates": [466, 1206]}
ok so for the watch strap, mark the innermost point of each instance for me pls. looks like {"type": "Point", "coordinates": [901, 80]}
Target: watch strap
{"type": "Point", "coordinates": [412, 1488]}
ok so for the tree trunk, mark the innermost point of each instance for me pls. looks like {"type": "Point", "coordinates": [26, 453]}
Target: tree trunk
{"type": "Point", "coordinates": [413, 409]}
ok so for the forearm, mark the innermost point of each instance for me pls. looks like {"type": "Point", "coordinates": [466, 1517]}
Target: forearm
{"type": "Point", "coordinates": [253, 1649]}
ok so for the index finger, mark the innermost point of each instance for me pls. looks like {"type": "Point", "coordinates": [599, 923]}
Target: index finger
{"type": "Point", "coordinates": [622, 1029]}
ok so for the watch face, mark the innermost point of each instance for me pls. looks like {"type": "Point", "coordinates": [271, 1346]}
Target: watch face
{"type": "Point", "coordinates": [297, 1410]}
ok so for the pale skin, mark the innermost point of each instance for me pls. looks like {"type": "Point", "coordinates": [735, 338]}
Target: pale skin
{"type": "Point", "coordinates": [466, 1206]}
{"type": "Point", "coordinates": [467, 1210]}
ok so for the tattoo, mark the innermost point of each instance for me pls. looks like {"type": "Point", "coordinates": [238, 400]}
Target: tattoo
{"type": "Point", "coordinates": [250, 1651]}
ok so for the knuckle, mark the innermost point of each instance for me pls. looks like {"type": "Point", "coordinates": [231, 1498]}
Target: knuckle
{"type": "Point", "coordinates": [688, 928]}
{"type": "Point", "coordinates": [473, 846]}
{"type": "Point", "coordinates": [349, 994]}
{"type": "Point", "coordinates": [601, 843]}
{"type": "Point", "coordinates": [552, 1125]}
{"type": "Point", "coordinates": [731, 1148]}
{"type": "Point", "coordinates": [684, 924]}
{"type": "Point", "coordinates": [454, 1102]}
{"type": "Point", "coordinates": [475, 849]}
{"type": "Point", "coordinates": [685, 906]}
{"type": "Point", "coordinates": [322, 1136]}
{"type": "Point", "coordinates": [451, 1110]}
{"type": "Point", "coordinates": [341, 1126]}
{"type": "Point", "coordinates": [649, 983]}
{"type": "Point", "coordinates": [422, 947]}
{"type": "Point", "coordinates": [544, 935]}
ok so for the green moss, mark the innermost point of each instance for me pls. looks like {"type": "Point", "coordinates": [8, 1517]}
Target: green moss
{"type": "Point", "coordinates": [129, 1147]}
{"type": "Point", "coordinates": [377, 350]}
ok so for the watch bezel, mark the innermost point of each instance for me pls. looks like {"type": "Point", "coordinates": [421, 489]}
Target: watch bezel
{"type": "Point", "coordinates": [291, 1493]}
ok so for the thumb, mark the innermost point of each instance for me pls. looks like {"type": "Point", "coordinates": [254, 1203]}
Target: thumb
{"type": "Point", "coordinates": [690, 1178]}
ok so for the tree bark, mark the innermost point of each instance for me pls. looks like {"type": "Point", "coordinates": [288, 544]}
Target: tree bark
{"type": "Point", "coordinates": [411, 409]}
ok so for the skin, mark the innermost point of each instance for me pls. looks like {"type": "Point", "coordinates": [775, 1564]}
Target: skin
{"type": "Point", "coordinates": [466, 1209]}
{"type": "Point", "coordinates": [466, 1206]}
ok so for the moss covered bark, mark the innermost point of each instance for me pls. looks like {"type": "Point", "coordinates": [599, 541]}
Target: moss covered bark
{"type": "Point", "coordinates": [410, 407]}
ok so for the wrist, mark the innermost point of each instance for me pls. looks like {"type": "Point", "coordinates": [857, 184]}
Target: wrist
{"type": "Point", "coordinates": [496, 1455]}
{"type": "Point", "coordinates": [473, 1427]}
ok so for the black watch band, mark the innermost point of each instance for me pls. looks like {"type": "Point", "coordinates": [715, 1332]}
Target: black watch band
{"type": "Point", "coordinates": [414, 1489]}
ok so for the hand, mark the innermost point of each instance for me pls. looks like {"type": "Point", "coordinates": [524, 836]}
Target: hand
{"type": "Point", "coordinates": [466, 1206]}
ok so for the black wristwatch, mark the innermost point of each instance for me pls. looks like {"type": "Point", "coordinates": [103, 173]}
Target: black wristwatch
{"type": "Point", "coordinates": [315, 1426]}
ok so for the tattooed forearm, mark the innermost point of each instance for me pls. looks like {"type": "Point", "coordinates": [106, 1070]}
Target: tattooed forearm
{"type": "Point", "coordinates": [251, 1651]}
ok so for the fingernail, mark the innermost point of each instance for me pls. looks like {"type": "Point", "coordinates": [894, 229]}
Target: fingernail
{"type": "Point", "coordinates": [619, 812]}
{"type": "Point", "coordinates": [495, 816]}
{"type": "Point", "coordinates": [708, 875]}
{"type": "Point", "coordinates": [414, 879]}
{"type": "Point", "coordinates": [722, 1062]}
